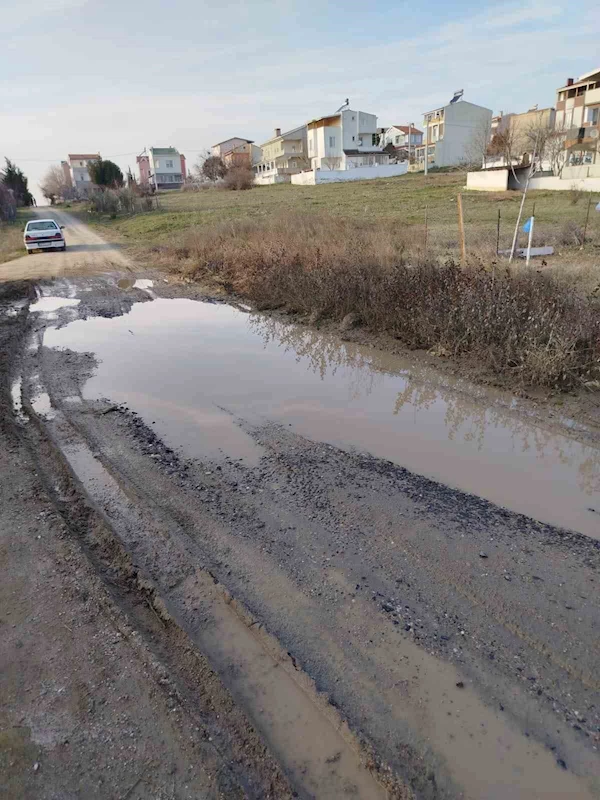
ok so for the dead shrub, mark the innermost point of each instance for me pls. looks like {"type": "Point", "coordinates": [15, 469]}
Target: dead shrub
{"type": "Point", "coordinates": [570, 234]}
{"type": "Point", "coordinates": [519, 323]}
{"type": "Point", "coordinates": [238, 179]}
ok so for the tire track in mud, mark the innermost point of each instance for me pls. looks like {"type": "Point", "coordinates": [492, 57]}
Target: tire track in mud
{"type": "Point", "coordinates": [315, 747]}
{"type": "Point", "coordinates": [158, 487]}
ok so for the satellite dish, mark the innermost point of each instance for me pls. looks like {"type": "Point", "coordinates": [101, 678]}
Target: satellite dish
{"type": "Point", "coordinates": [457, 96]}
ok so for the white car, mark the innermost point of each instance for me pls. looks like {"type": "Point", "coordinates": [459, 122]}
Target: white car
{"type": "Point", "coordinates": [44, 234]}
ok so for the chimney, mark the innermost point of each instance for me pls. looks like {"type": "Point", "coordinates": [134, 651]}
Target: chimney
{"type": "Point", "coordinates": [570, 81]}
{"type": "Point", "coordinates": [277, 131]}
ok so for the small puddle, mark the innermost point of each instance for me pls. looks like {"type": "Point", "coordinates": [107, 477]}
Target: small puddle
{"type": "Point", "coordinates": [53, 303]}
{"type": "Point", "coordinates": [192, 368]}
{"type": "Point", "coordinates": [16, 393]}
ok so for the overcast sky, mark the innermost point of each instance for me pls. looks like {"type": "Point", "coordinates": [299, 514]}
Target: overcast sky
{"type": "Point", "coordinates": [117, 75]}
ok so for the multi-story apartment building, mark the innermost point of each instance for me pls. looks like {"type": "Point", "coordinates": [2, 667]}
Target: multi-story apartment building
{"type": "Point", "coordinates": [237, 152]}
{"type": "Point", "coordinates": [345, 140]}
{"type": "Point", "coordinates": [77, 176]}
{"type": "Point", "coordinates": [523, 129]}
{"type": "Point", "coordinates": [162, 168]}
{"type": "Point", "coordinates": [282, 156]}
{"type": "Point", "coordinates": [451, 133]}
{"type": "Point", "coordinates": [578, 115]}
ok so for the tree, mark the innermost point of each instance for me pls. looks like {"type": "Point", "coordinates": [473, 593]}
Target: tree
{"type": "Point", "coordinates": [54, 185]}
{"type": "Point", "coordinates": [8, 207]}
{"type": "Point", "coordinates": [213, 168]}
{"type": "Point", "coordinates": [503, 144]}
{"type": "Point", "coordinates": [14, 179]}
{"type": "Point", "coordinates": [106, 174]}
{"type": "Point", "coordinates": [476, 150]}
{"type": "Point", "coordinates": [331, 162]}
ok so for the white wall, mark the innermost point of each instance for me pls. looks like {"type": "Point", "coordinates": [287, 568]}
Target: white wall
{"type": "Point", "coordinates": [488, 181]}
{"type": "Point", "coordinates": [558, 184]}
{"type": "Point", "coordinates": [357, 174]}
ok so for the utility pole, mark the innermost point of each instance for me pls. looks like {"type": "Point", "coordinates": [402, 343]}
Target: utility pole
{"type": "Point", "coordinates": [426, 144]}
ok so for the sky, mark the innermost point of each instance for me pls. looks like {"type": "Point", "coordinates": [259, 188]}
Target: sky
{"type": "Point", "coordinates": [119, 75]}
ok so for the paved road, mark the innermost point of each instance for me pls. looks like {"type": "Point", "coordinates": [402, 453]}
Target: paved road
{"type": "Point", "coordinates": [86, 253]}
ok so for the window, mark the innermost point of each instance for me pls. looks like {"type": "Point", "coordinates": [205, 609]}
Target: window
{"type": "Point", "coordinates": [360, 141]}
{"type": "Point", "coordinates": [332, 141]}
{"type": "Point", "coordinates": [293, 148]}
{"type": "Point", "coordinates": [397, 140]}
{"type": "Point", "coordinates": [593, 115]}
{"type": "Point", "coordinates": [354, 138]}
{"type": "Point", "coordinates": [169, 164]}
{"type": "Point", "coordinates": [81, 163]}
{"type": "Point", "coordinates": [375, 139]}
{"type": "Point", "coordinates": [156, 164]}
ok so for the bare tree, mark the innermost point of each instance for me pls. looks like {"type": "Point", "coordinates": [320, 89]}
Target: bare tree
{"type": "Point", "coordinates": [331, 162]}
{"type": "Point", "coordinates": [504, 144]}
{"type": "Point", "coordinates": [476, 150]}
{"type": "Point", "coordinates": [536, 137]}
{"type": "Point", "coordinates": [554, 150]}
{"type": "Point", "coordinates": [54, 185]}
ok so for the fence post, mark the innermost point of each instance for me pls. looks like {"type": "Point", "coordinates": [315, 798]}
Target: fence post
{"type": "Point", "coordinates": [587, 219]}
{"type": "Point", "coordinates": [498, 234]}
{"type": "Point", "coordinates": [461, 229]}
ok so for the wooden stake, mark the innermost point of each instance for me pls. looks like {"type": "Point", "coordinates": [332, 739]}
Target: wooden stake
{"type": "Point", "coordinates": [461, 229]}
{"type": "Point", "coordinates": [587, 219]}
{"type": "Point", "coordinates": [498, 234]}
{"type": "Point", "coordinates": [425, 228]}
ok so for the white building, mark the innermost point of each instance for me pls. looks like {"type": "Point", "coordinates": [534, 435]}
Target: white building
{"type": "Point", "coordinates": [162, 168]}
{"type": "Point", "coordinates": [400, 136]}
{"type": "Point", "coordinates": [452, 134]}
{"type": "Point", "coordinates": [345, 140]}
{"type": "Point", "coordinates": [77, 174]}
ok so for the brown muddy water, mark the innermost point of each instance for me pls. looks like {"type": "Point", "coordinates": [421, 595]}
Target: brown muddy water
{"type": "Point", "coordinates": [197, 371]}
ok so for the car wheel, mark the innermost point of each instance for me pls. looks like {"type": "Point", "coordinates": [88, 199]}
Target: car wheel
{"type": "Point", "coordinates": [63, 248]}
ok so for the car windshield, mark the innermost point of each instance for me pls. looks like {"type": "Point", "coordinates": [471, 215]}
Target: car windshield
{"type": "Point", "coordinates": [44, 225]}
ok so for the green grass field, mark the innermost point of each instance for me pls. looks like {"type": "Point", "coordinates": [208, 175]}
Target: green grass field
{"type": "Point", "coordinates": [409, 200]}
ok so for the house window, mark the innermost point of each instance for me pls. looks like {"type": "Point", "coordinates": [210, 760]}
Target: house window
{"type": "Point", "coordinates": [169, 165]}
{"type": "Point", "coordinates": [293, 148]}
{"type": "Point", "coordinates": [360, 141]}
{"type": "Point", "coordinates": [354, 138]}
{"type": "Point", "coordinates": [593, 115]}
{"type": "Point", "coordinates": [397, 140]}
{"type": "Point", "coordinates": [375, 139]}
{"type": "Point", "coordinates": [332, 141]}
{"type": "Point", "coordinates": [157, 164]}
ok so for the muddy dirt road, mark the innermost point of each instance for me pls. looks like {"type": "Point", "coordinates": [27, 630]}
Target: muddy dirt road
{"type": "Point", "coordinates": [394, 578]}
{"type": "Point", "coordinates": [86, 253]}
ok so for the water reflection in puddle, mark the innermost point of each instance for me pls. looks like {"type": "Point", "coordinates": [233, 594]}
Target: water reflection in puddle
{"type": "Point", "coordinates": [53, 303]}
{"type": "Point", "coordinates": [190, 366]}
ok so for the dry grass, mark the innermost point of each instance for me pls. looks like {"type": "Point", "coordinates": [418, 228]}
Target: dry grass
{"type": "Point", "coordinates": [520, 323]}
{"type": "Point", "coordinates": [11, 238]}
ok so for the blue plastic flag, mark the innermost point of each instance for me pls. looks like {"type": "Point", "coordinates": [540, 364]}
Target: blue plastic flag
{"type": "Point", "coordinates": [527, 226]}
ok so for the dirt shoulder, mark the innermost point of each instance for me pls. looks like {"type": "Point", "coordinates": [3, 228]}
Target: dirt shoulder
{"type": "Point", "coordinates": [102, 695]}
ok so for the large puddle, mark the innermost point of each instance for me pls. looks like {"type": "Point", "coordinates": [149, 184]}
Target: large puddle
{"type": "Point", "coordinates": [193, 368]}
